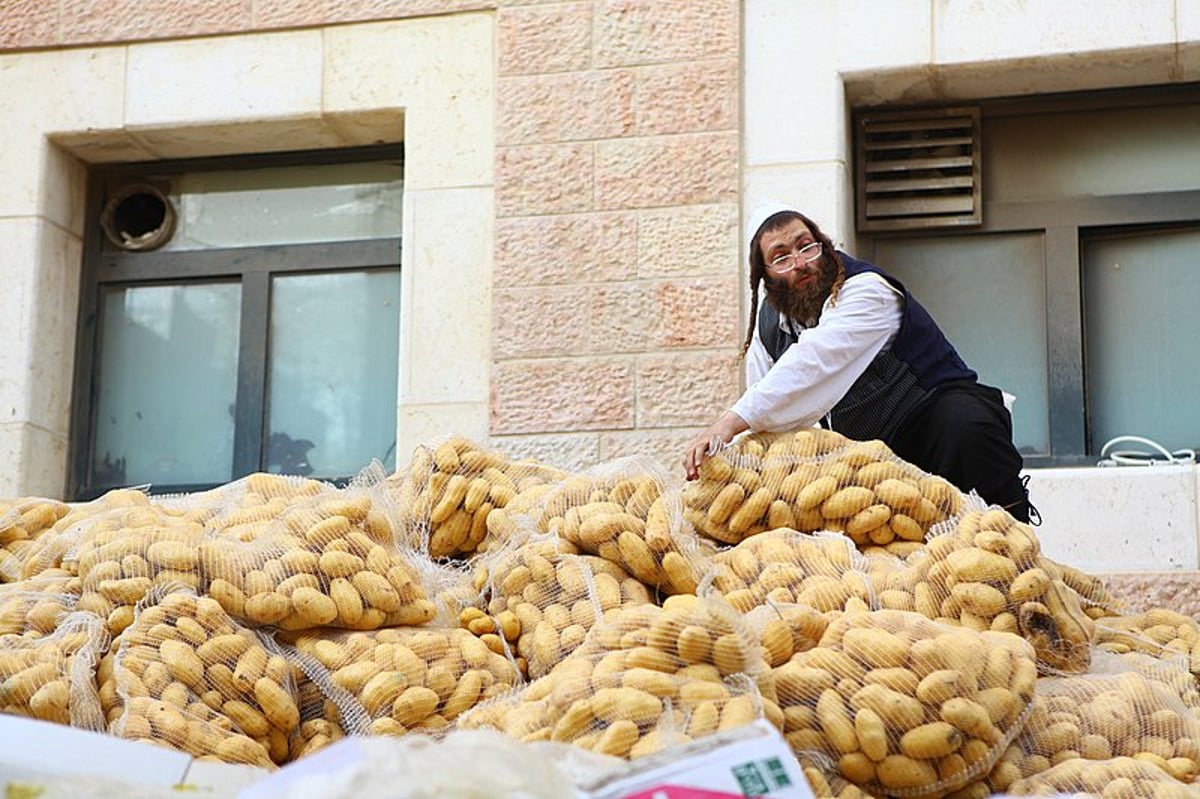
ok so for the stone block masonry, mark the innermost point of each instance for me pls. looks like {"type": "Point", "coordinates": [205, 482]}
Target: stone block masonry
{"type": "Point", "coordinates": [618, 286]}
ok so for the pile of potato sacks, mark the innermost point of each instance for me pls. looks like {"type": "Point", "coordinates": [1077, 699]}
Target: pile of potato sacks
{"type": "Point", "coordinates": [904, 638]}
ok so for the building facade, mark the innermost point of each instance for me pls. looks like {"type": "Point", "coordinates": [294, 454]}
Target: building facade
{"type": "Point", "coordinates": [574, 175]}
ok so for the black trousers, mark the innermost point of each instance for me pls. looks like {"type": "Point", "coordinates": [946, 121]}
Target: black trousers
{"type": "Point", "coordinates": [964, 434]}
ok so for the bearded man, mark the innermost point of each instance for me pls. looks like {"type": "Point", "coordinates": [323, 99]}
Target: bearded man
{"type": "Point", "coordinates": [838, 341]}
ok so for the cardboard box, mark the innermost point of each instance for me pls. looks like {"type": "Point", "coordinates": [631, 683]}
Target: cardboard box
{"type": "Point", "coordinates": [35, 750]}
{"type": "Point", "coordinates": [750, 761]}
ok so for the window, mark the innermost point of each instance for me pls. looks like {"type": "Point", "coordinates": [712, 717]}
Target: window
{"type": "Point", "coordinates": [1141, 289]}
{"type": "Point", "coordinates": [236, 316]}
{"type": "Point", "coordinates": [1077, 293]}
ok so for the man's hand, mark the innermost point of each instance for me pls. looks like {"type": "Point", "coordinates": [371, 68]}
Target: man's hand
{"type": "Point", "coordinates": [708, 443]}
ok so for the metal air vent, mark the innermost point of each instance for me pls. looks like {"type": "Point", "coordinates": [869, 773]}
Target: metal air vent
{"type": "Point", "coordinates": [919, 169]}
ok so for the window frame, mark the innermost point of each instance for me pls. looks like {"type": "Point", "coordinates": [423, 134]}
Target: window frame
{"type": "Point", "coordinates": [253, 267]}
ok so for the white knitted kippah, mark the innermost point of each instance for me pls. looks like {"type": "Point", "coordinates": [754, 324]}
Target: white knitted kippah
{"type": "Point", "coordinates": [761, 213]}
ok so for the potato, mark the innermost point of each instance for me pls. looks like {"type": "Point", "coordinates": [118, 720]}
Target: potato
{"type": "Point", "coordinates": [988, 574]}
{"type": "Point", "coordinates": [1158, 632]}
{"type": "Point", "coordinates": [826, 781]}
{"type": "Point", "coordinates": [51, 550]}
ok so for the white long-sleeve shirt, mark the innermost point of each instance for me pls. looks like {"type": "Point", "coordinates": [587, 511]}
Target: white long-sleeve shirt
{"type": "Point", "coordinates": [817, 371]}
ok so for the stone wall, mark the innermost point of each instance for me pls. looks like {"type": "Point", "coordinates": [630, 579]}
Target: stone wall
{"type": "Point", "coordinates": [616, 287]}
{"type": "Point", "coordinates": [1139, 591]}
{"type": "Point", "coordinates": [615, 311]}
{"type": "Point", "coordinates": [30, 24]}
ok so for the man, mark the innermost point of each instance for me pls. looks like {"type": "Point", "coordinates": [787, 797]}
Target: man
{"type": "Point", "coordinates": [840, 342]}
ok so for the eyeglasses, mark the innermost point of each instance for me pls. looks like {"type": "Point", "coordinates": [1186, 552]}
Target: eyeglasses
{"type": "Point", "coordinates": [805, 255]}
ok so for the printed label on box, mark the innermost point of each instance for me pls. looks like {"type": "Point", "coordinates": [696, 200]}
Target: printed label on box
{"type": "Point", "coordinates": [752, 762]}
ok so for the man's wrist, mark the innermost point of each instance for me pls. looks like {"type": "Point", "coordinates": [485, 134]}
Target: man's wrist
{"type": "Point", "coordinates": [730, 424]}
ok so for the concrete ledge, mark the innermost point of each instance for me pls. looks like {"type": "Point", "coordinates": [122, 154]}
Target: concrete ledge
{"type": "Point", "coordinates": [1120, 519]}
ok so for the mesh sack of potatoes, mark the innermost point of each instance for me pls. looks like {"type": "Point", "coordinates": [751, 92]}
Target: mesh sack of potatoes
{"type": "Point", "coordinates": [1094, 597]}
{"type": "Point", "coordinates": [297, 554]}
{"type": "Point", "coordinates": [186, 675]}
{"type": "Point", "coordinates": [540, 602]}
{"type": "Point", "coordinates": [405, 679]}
{"type": "Point", "coordinates": [1117, 778]}
{"type": "Point", "coordinates": [56, 547]}
{"type": "Point", "coordinates": [646, 678]}
{"type": "Point", "coordinates": [121, 554]}
{"type": "Point", "coordinates": [983, 570]}
{"type": "Point", "coordinates": [816, 479]}
{"type": "Point", "coordinates": [465, 587]}
{"type": "Point", "coordinates": [34, 607]}
{"type": "Point", "coordinates": [1158, 632]}
{"type": "Point", "coordinates": [327, 713]}
{"type": "Point", "coordinates": [628, 511]}
{"type": "Point", "coordinates": [895, 581]}
{"type": "Point", "coordinates": [904, 705]}
{"type": "Point", "coordinates": [821, 570]}
{"type": "Point", "coordinates": [1073, 716]}
{"type": "Point", "coordinates": [1170, 668]}
{"type": "Point", "coordinates": [1101, 716]}
{"type": "Point", "coordinates": [823, 778]}
{"type": "Point", "coordinates": [22, 522]}
{"type": "Point", "coordinates": [53, 677]}
{"type": "Point", "coordinates": [451, 487]}
{"type": "Point", "coordinates": [783, 630]}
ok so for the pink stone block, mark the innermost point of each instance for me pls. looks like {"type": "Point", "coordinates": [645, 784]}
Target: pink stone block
{"type": "Point", "coordinates": [671, 170]}
{"type": "Point", "coordinates": [687, 389]}
{"type": "Point", "coordinates": [362, 10]}
{"type": "Point", "coordinates": [561, 395]}
{"type": "Point", "coordinates": [565, 107]}
{"type": "Point", "coordinates": [688, 241]}
{"type": "Point", "coordinates": [290, 13]}
{"type": "Point", "coordinates": [28, 23]}
{"type": "Point", "coordinates": [664, 447]}
{"type": "Point", "coordinates": [83, 21]}
{"type": "Point", "coordinates": [622, 317]}
{"type": "Point", "coordinates": [544, 179]}
{"type": "Point", "coordinates": [539, 321]}
{"type": "Point", "coordinates": [696, 313]}
{"type": "Point", "coordinates": [571, 451]}
{"type": "Point", "coordinates": [632, 32]}
{"type": "Point", "coordinates": [652, 315]}
{"type": "Point", "coordinates": [551, 38]}
{"type": "Point", "coordinates": [684, 98]}
{"type": "Point", "coordinates": [574, 248]}
{"type": "Point", "coordinates": [1138, 592]}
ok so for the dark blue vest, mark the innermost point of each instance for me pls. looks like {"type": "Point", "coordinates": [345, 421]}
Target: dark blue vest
{"type": "Point", "coordinates": [899, 380]}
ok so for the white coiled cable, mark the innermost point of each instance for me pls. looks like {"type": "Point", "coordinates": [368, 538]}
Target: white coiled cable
{"type": "Point", "coordinates": [1157, 456]}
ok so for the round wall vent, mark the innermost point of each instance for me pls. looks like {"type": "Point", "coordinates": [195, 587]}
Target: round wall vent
{"type": "Point", "coordinates": [138, 217]}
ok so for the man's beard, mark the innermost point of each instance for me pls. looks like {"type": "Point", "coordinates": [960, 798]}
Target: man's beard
{"type": "Point", "coordinates": [803, 305]}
